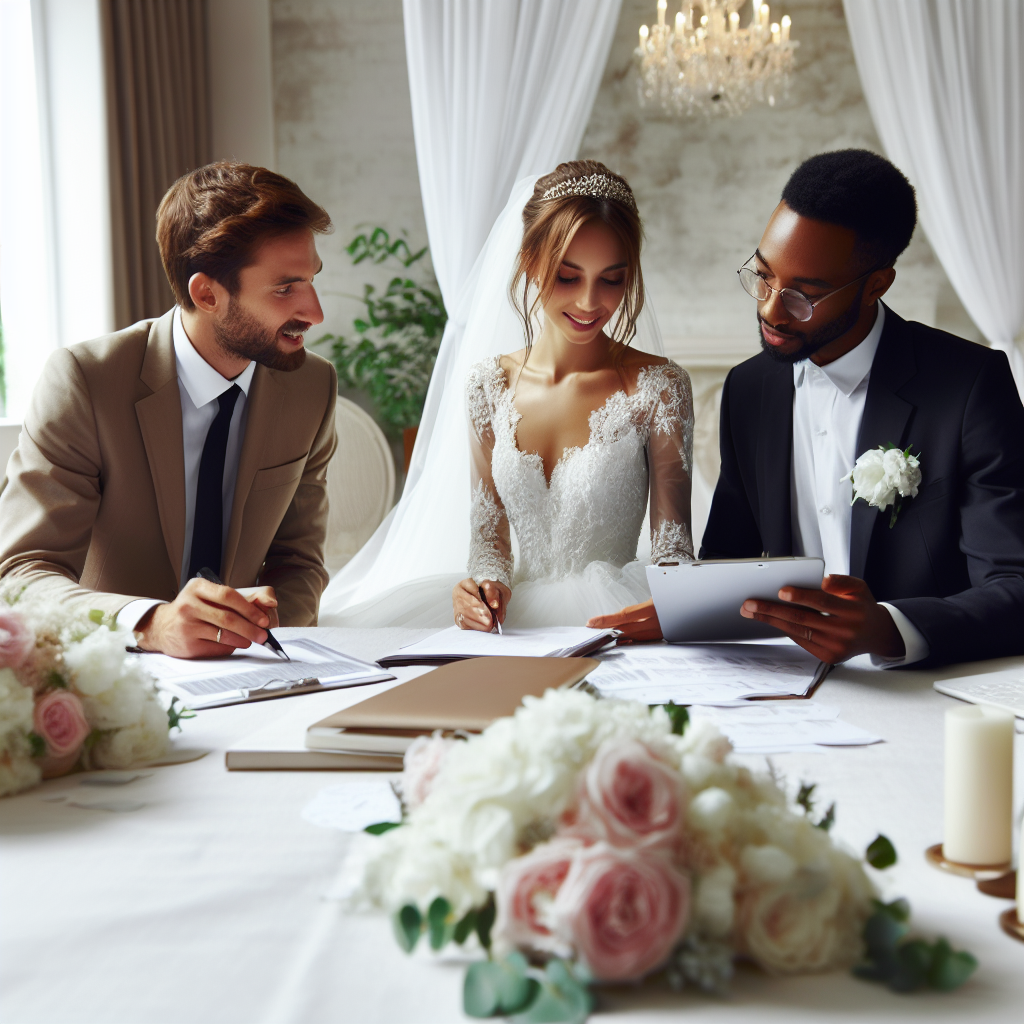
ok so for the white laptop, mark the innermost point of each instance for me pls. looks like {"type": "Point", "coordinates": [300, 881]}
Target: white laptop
{"type": "Point", "coordinates": [698, 602]}
{"type": "Point", "coordinates": [998, 689]}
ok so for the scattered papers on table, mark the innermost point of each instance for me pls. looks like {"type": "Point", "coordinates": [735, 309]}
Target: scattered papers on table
{"type": "Point", "coordinates": [798, 727]}
{"type": "Point", "coordinates": [705, 673]}
{"type": "Point", "coordinates": [256, 671]}
{"type": "Point", "coordinates": [454, 644]}
{"type": "Point", "coordinates": [352, 806]}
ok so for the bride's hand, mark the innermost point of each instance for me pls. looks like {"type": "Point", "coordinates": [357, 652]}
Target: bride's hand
{"type": "Point", "coordinates": [471, 612]}
{"type": "Point", "coordinates": [638, 623]}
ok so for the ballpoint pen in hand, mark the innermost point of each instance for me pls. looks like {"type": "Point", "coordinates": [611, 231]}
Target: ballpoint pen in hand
{"type": "Point", "coordinates": [494, 614]}
{"type": "Point", "coordinates": [211, 577]}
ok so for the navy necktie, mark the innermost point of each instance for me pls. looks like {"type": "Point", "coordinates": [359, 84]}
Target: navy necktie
{"type": "Point", "coordinates": [208, 522]}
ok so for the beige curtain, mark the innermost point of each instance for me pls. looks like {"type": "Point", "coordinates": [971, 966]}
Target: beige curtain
{"type": "Point", "coordinates": [158, 104]}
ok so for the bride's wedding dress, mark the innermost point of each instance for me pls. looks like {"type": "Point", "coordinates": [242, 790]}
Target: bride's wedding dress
{"type": "Point", "coordinates": [472, 497]}
{"type": "Point", "coordinates": [578, 534]}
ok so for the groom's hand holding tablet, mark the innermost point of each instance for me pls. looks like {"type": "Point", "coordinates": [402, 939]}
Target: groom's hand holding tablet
{"type": "Point", "coordinates": [835, 623]}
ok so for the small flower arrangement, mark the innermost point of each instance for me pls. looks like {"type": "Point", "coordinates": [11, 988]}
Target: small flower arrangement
{"type": "Point", "coordinates": [71, 696]}
{"type": "Point", "coordinates": [884, 476]}
{"type": "Point", "coordinates": [586, 841]}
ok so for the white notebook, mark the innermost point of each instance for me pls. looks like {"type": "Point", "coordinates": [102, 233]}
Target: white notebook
{"type": "Point", "coordinates": [454, 644]}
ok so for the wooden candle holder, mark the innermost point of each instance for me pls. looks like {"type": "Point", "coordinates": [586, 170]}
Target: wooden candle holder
{"type": "Point", "coordinates": [1009, 923]}
{"type": "Point", "coordinates": [979, 872]}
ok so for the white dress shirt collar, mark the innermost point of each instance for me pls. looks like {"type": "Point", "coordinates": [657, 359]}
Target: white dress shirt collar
{"type": "Point", "coordinates": [202, 382]}
{"type": "Point", "coordinates": [848, 371]}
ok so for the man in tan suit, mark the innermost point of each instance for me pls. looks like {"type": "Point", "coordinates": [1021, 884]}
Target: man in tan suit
{"type": "Point", "coordinates": [197, 440]}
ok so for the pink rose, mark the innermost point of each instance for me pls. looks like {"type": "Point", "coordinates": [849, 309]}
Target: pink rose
{"type": "Point", "coordinates": [16, 639]}
{"type": "Point", "coordinates": [422, 762]}
{"type": "Point", "coordinates": [623, 911]}
{"type": "Point", "coordinates": [526, 893]}
{"type": "Point", "coordinates": [58, 717]}
{"type": "Point", "coordinates": [628, 798]}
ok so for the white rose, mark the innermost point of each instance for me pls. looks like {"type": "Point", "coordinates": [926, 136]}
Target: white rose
{"type": "Point", "coordinates": [796, 918]}
{"type": "Point", "coordinates": [871, 481]}
{"type": "Point", "coordinates": [16, 703]}
{"type": "Point", "coordinates": [711, 809]}
{"type": "Point", "coordinates": [139, 743]}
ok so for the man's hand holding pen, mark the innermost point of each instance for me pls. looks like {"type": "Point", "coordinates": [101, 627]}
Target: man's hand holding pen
{"type": "Point", "coordinates": [482, 606]}
{"type": "Point", "coordinates": [208, 620]}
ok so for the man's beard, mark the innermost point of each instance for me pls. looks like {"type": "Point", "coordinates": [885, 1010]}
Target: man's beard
{"type": "Point", "coordinates": [241, 334]}
{"type": "Point", "coordinates": [817, 339]}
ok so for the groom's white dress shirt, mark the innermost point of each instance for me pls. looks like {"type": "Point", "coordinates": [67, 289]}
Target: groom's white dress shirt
{"type": "Point", "coordinates": [828, 405]}
{"type": "Point", "coordinates": [199, 387]}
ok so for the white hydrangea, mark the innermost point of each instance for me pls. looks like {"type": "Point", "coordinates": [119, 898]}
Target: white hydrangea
{"type": "Point", "coordinates": [143, 740]}
{"type": "Point", "coordinates": [18, 771]}
{"type": "Point", "coordinates": [97, 661]}
{"type": "Point", "coordinates": [16, 705]}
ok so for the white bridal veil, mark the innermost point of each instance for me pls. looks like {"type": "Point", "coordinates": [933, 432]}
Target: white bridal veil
{"type": "Point", "coordinates": [427, 533]}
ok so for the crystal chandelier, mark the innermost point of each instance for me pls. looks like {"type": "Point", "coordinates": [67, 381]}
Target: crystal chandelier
{"type": "Point", "coordinates": [707, 64]}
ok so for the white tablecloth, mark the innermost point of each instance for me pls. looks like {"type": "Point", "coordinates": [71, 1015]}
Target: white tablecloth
{"type": "Point", "coordinates": [205, 903]}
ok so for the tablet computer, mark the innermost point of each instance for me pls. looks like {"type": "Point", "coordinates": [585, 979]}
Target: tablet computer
{"type": "Point", "coordinates": [700, 601]}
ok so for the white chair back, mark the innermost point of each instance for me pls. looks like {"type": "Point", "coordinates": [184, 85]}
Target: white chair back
{"type": "Point", "coordinates": [360, 483]}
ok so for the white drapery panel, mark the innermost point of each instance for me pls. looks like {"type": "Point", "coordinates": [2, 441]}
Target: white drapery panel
{"type": "Point", "coordinates": [944, 80]}
{"type": "Point", "coordinates": [500, 92]}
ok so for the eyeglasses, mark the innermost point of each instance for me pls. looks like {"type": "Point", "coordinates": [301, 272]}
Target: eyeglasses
{"type": "Point", "coordinates": [796, 303]}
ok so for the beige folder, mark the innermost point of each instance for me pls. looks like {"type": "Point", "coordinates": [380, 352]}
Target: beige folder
{"type": "Point", "coordinates": [464, 695]}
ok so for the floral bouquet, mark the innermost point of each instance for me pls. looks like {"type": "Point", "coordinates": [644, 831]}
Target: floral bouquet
{"type": "Point", "coordinates": [606, 841]}
{"type": "Point", "coordinates": [71, 696]}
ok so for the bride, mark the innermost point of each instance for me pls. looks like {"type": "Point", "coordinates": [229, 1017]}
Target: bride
{"type": "Point", "coordinates": [567, 436]}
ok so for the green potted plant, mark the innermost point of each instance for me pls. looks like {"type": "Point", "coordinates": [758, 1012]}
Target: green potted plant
{"type": "Point", "coordinates": [391, 352]}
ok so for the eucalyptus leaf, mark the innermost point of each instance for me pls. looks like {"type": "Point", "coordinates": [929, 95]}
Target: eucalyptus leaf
{"type": "Point", "coordinates": [562, 997]}
{"type": "Point", "coordinates": [439, 926]}
{"type": "Point", "coordinates": [880, 853]}
{"type": "Point", "coordinates": [485, 922]}
{"type": "Point", "coordinates": [408, 924]}
{"type": "Point", "coordinates": [949, 969]}
{"type": "Point", "coordinates": [381, 827]}
{"type": "Point", "coordinates": [494, 987]}
{"type": "Point", "coordinates": [898, 909]}
{"type": "Point", "coordinates": [465, 927]}
{"type": "Point", "coordinates": [882, 934]}
{"type": "Point", "coordinates": [912, 963]}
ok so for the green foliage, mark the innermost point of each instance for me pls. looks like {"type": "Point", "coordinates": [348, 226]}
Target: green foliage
{"type": "Point", "coordinates": [440, 924]}
{"type": "Point", "coordinates": [176, 715]}
{"type": "Point", "coordinates": [880, 853]}
{"type": "Point", "coordinates": [485, 922]}
{"type": "Point", "coordinates": [678, 714]}
{"type": "Point", "coordinates": [906, 964]}
{"type": "Point", "coordinates": [805, 799]}
{"type": "Point", "coordinates": [408, 924]}
{"type": "Point", "coordinates": [392, 352]}
{"type": "Point", "coordinates": [510, 987]}
{"type": "Point", "coordinates": [56, 680]}
{"type": "Point", "coordinates": [381, 827]}
{"type": "Point", "coordinates": [38, 744]}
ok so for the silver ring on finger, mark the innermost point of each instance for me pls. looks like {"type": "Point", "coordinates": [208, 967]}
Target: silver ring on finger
{"type": "Point", "coordinates": [219, 631]}
{"type": "Point", "coordinates": [458, 620]}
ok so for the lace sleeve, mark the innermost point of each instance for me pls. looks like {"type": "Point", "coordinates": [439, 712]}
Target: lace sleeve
{"type": "Point", "coordinates": [490, 547]}
{"type": "Point", "coordinates": [670, 455]}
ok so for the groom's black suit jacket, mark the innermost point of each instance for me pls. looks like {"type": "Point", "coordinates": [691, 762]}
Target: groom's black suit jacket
{"type": "Point", "coordinates": [954, 562]}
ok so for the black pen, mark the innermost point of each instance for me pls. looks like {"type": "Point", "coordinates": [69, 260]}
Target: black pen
{"type": "Point", "coordinates": [494, 614]}
{"type": "Point", "coordinates": [211, 577]}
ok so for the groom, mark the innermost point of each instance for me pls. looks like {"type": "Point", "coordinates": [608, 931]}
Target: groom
{"type": "Point", "coordinates": [841, 374]}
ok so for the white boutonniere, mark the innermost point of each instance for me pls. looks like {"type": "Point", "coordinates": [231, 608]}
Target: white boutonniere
{"type": "Point", "coordinates": [884, 476]}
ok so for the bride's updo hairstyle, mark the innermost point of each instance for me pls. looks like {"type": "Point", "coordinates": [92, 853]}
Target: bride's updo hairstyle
{"type": "Point", "coordinates": [562, 202]}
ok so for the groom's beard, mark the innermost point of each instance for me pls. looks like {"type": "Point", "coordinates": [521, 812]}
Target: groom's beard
{"type": "Point", "coordinates": [241, 334]}
{"type": "Point", "coordinates": [815, 340]}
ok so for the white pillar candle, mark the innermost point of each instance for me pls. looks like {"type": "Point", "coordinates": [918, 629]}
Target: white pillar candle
{"type": "Point", "coordinates": [979, 785]}
{"type": "Point", "coordinates": [786, 23]}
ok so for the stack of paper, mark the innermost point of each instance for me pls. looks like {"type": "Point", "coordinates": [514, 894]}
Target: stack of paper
{"type": "Point", "coordinates": [706, 673]}
{"type": "Point", "coordinates": [794, 727]}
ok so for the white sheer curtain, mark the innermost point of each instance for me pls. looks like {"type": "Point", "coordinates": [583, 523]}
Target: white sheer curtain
{"type": "Point", "coordinates": [944, 80]}
{"type": "Point", "coordinates": [500, 91]}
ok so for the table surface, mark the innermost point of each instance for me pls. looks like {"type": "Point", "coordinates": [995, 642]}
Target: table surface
{"type": "Point", "coordinates": [206, 903]}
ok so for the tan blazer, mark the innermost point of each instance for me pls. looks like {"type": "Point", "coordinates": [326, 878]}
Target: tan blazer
{"type": "Point", "coordinates": [93, 510]}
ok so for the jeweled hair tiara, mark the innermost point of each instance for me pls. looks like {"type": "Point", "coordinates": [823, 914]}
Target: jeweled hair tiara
{"type": "Point", "coordinates": [598, 185]}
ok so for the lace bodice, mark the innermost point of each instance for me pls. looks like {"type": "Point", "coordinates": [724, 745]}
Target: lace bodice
{"type": "Point", "coordinates": [593, 509]}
